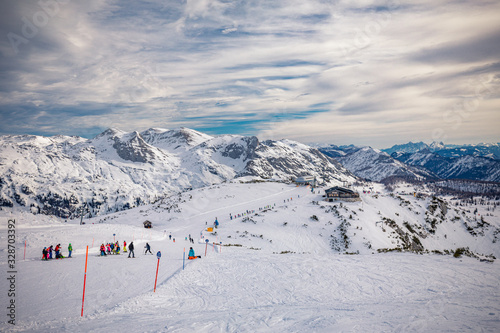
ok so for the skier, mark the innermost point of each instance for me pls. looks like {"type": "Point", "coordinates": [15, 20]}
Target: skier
{"type": "Point", "coordinates": [58, 249]}
{"type": "Point", "coordinates": [124, 246]}
{"type": "Point", "coordinates": [170, 236]}
{"type": "Point", "coordinates": [131, 250]}
{"type": "Point", "coordinates": [44, 254]}
{"type": "Point", "coordinates": [70, 249]}
{"type": "Point", "coordinates": [117, 248]}
{"type": "Point", "coordinates": [103, 250]}
{"type": "Point", "coordinates": [148, 248]}
{"type": "Point", "coordinates": [50, 252]}
{"type": "Point", "coordinates": [191, 255]}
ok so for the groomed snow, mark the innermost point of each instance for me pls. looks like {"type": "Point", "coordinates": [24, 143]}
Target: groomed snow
{"type": "Point", "coordinates": [283, 278]}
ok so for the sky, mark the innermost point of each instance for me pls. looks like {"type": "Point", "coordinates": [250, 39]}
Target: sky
{"type": "Point", "coordinates": [361, 72]}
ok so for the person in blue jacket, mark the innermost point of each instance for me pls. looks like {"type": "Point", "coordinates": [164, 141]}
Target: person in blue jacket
{"type": "Point", "coordinates": [191, 254]}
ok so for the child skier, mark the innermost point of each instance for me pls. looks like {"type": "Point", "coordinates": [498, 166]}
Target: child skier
{"type": "Point", "coordinates": [45, 254]}
{"type": "Point", "coordinates": [70, 249]}
{"type": "Point", "coordinates": [103, 250]}
{"type": "Point", "coordinates": [124, 246]}
{"type": "Point", "coordinates": [58, 249]}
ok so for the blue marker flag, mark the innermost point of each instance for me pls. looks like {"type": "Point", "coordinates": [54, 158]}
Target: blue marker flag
{"type": "Point", "coordinates": [158, 254]}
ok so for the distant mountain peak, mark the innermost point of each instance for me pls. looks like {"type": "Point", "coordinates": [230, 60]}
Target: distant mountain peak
{"type": "Point", "coordinates": [409, 147]}
{"type": "Point", "coordinates": [436, 145]}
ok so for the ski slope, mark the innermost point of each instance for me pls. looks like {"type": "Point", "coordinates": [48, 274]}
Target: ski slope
{"type": "Point", "coordinates": [276, 271]}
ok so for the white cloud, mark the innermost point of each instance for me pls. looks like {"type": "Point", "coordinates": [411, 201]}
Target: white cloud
{"type": "Point", "coordinates": [372, 72]}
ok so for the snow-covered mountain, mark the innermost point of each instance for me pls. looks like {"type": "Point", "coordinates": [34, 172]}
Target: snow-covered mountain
{"type": "Point", "coordinates": [491, 150]}
{"type": "Point", "coordinates": [463, 167]}
{"type": "Point", "coordinates": [410, 147]}
{"type": "Point", "coordinates": [409, 161]}
{"type": "Point", "coordinates": [376, 165]}
{"type": "Point", "coordinates": [117, 170]}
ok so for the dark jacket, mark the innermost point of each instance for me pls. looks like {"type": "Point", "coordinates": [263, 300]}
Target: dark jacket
{"type": "Point", "coordinates": [131, 246]}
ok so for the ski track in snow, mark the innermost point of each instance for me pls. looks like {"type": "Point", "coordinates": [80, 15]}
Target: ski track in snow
{"type": "Point", "coordinates": [242, 290]}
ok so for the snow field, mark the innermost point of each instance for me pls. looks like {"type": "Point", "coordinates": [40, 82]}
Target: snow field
{"type": "Point", "coordinates": [288, 280]}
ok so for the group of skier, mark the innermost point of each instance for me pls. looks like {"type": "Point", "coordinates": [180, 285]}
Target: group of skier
{"type": "Point", "coordinates": [111, 248]}
{"type": "Point", "coordinates": [249, 212]}
{"type": "Point", "coordinates": [48, 252]}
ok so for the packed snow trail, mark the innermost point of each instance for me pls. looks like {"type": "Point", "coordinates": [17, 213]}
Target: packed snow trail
{"type": "Point", "coordinates": [246, 204]}
{"type": "Point", "coordinates": [242, 292]}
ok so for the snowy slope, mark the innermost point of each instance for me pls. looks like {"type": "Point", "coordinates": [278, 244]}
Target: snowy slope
{"type": "Point", "coordinates": [280, 268]}
{"type": "Point", "coordinates": [118, 170]}
{"type": "Point", "coordinates": [278, 271]}
{"type": "Point", "coordinates": [373, 164]}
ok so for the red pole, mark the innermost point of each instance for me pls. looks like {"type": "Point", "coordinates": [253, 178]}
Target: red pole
{"type": "Point", "coordinates": [85, 278]}
{"type": "Point", "coordinates": [206, 245]}
{"type": "Point", "coordinates": [24, 250]}
{"type": "Point", "coordinates": [156, 278]}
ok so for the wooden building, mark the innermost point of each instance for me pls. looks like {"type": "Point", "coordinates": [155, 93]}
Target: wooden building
{"type": "Point", "coordinates": [338, 193]}
{"type": "Point", "coordinates": [148, 224]}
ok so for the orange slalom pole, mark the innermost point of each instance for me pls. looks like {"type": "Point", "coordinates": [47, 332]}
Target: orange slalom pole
{"type": "Point", "coordinates": [156, 278]}
{"type": "Point", "coordinates": [24, 250]}
{"type": "Point", "coordinates": [85, 278]}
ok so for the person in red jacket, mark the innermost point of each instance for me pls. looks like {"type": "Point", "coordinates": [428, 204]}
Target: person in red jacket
{"type": "Point", "coordinates": [103, 250]}
{"type": "Point", "coordinates": [58, 250]}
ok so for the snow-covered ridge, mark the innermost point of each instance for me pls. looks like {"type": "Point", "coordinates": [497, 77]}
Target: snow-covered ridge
{"type": "Point", "coordinates": [418, 161]}
{"type": "Point", "coordinates": [117, 170]}
{"type": "Point", "coordinates": [376, 165]}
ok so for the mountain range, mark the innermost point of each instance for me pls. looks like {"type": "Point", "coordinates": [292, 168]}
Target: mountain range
{"type": "Point", "coordinates": [419, 161]}
{"type": "Point", "coordinates": [118, 170]}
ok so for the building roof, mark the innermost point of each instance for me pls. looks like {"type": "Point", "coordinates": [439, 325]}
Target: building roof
{"type": "Point", "coordinates": [340, 189]}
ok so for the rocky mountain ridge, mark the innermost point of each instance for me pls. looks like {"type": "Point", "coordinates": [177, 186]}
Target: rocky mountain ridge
{"type": "Point", "coordinates": [117, 170]}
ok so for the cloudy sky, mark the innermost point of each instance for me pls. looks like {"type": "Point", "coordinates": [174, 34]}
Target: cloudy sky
{"type": "Point", "coordinates": [364, 72]}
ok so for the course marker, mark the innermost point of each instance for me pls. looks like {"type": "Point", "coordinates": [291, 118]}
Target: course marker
{"type": "Point", "coordinates": [85, 278]}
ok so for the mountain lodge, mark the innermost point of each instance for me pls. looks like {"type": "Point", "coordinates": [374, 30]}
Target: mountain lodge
{"type": "Point", "coordinates": [341, 193]}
